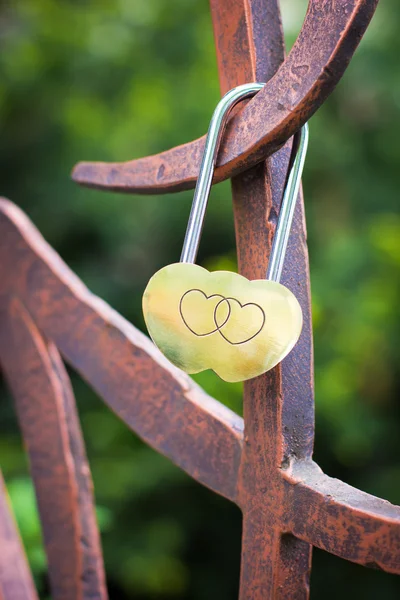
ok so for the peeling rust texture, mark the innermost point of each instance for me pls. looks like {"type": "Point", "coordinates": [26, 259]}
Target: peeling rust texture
{"type": "Point", "coordinates": [263, 462]}
{"type": "Point", "coordinates": [329, 36]}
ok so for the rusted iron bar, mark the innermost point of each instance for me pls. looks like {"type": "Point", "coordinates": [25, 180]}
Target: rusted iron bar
{"type": "Point", "coordinates": [328, 38]}
{"type": "Point", "coordinates": [162, 404]}
{"type": "Point", "coordinates": [341, 519]}
{"type": "Point", "coordinates": [50, 427]}
{"type": "Point", "coordinates": [271, 566]}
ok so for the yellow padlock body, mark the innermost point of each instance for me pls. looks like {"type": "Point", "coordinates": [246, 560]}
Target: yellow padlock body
{"type": "Point", "coordinates": [220, 320]}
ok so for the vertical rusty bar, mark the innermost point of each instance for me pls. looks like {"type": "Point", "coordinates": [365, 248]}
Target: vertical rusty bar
{"type": "Point", "coordinates": [278, 406]}
{"type": "Point", "coordinates": [16, 581]}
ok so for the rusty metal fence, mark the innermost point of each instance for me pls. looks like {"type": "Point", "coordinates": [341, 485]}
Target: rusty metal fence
{"type": "Point", "coordinates": [262, 462]}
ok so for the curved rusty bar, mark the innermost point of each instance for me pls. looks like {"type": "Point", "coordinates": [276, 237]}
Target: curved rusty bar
{"type": "Point", "coordinates": [16, 581]}
{"type": "Point", "coordinates": [328, 38]}
{"type": "Point", "coordinates": [341, 519]}
{"type": "Point", "coordinates": [159, 402]}
{"type": "Point", "coordinates": [60, 472]}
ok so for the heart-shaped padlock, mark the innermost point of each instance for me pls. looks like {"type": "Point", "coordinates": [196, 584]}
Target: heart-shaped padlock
{"type": "Point", "coordinates": [220, 320]}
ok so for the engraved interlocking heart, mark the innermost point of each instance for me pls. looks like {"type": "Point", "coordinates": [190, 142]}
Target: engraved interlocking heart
{"type": "Point", "coordinates": [220, 320]}
{"type": "Point", "coordinates": [221, 309]}
{"type": "Point", "coordinates": [209, 308]}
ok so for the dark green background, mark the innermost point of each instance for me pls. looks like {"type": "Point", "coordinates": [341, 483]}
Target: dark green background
{"type": "Point", "coordinates": [113, 80]}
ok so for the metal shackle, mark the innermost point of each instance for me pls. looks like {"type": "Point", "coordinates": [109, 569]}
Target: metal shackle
{"type": "Point", "coordinates": [204, 182]}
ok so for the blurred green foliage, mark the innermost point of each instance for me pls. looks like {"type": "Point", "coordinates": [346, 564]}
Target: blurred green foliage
{"type": "Point", "coordinates": [117, 79]}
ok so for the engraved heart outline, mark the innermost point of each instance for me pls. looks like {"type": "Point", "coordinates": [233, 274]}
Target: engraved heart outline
{"type": "Point", "coordinates": [218, 327]}
{"type": "Point", "coordinates": [241, 306]}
